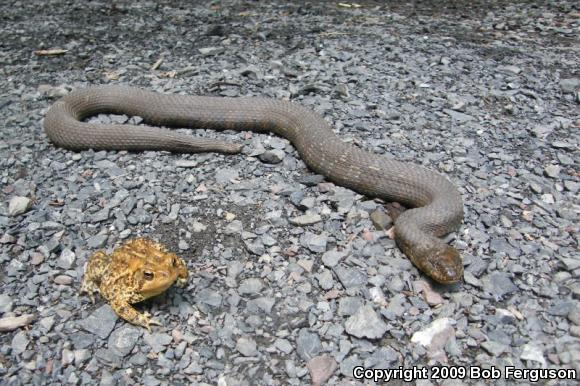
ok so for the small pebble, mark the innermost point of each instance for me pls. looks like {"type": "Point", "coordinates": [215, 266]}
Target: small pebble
{"type": "Point", "coordinates": [18, 205]}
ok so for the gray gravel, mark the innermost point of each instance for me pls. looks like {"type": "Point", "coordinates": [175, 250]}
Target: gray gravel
{"type": "Point", "coordinates": [293, 279]}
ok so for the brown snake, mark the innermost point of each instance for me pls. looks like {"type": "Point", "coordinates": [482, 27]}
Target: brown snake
{"type": "Point", "coordinates": [438, 205]}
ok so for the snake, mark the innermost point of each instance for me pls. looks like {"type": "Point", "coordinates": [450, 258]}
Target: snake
{"type": "Point", "coordinates": [435, 204]}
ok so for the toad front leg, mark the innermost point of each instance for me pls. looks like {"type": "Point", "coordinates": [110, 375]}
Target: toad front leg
{"type": "Point", "coordinates": [130, 314]}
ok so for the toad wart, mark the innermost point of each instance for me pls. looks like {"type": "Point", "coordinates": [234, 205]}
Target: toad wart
{"type": "Point", "coordinates": [135, 271]}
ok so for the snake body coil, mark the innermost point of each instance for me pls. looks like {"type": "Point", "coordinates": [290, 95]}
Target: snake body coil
{"type": "Point", "coordinates": [437, 204]}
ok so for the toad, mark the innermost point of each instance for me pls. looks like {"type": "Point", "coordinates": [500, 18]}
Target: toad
{"type": "Point", "coordinates": [135, 271]}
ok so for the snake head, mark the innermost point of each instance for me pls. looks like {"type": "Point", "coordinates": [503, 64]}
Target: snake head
{"type": "Point", "coordinates": [446, 266]}
{"type": "Point", "coordinates": [432, 256]}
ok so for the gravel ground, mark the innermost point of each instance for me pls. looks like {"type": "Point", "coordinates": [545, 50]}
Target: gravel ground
{"type": "Point", "coordinates": [293, 281]}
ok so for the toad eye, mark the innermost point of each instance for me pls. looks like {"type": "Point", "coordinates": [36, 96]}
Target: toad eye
{"type": "Point", "coordinates": [174, 262]}
{"type": "Point", "coordinates": [148, 275]}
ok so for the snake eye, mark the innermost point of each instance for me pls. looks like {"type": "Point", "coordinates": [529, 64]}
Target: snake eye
{"type": "Point", "coordinates": [148, 275]}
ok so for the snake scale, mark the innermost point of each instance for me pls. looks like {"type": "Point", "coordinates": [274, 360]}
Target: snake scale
{"type": "Point", "coordinates": [437, 205]}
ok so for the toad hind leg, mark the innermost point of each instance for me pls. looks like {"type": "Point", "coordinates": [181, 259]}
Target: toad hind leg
{"type": "Point", "coordinates": [97, 264]}
{"type": "Point", "coordinates": [89, 287]}
{"type": "Point", "coordinates": [130, 314]}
